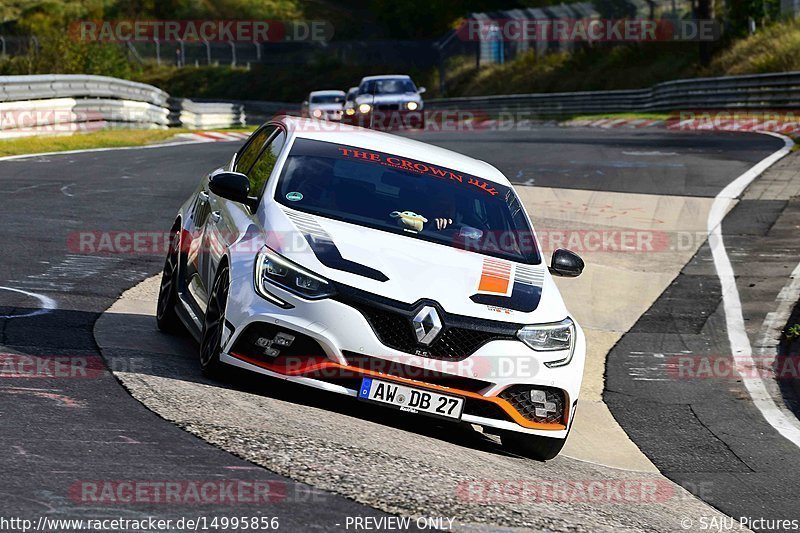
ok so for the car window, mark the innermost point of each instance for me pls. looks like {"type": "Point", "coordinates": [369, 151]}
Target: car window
{"type": "Point", "coordinates": [261, 170]}
{"type": "Point", "coordinates": [327, 99]}
{"type": "Point", "coordinates": [388, 86]}
{"type": "Point", "coordinates": [248, 154]}
{"type": "Point", "coordinates": [406, 196]}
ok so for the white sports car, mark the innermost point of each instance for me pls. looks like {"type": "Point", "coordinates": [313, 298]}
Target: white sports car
{"type": "Point", "coordinates": [381, 268]}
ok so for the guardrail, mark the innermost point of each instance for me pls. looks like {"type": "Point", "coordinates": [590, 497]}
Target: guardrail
{"type": "Point", "coordinates": [64, 103]}
{"type": "Point", "coordinates": [200, 115]}
{"type": "Point", "coordinates": [16, 88]}
{"type": "Point", "coordinates": [750, 92]}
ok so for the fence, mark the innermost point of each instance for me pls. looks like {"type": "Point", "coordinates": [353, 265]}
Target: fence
{"type": "Point", "coordinates": [750, 92]}
{"type": "Point", "coordinates": [64, 103]}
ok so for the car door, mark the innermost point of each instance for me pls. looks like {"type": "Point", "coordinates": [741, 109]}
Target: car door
{"type": "Point", "coordinates": [207, 215]}
{"type": "Point", "coordinates": [229, 220]}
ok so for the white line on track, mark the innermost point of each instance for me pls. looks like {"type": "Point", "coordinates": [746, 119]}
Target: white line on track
{"type": "Point", "coordinates": [47, 304]}
{"type": "Point", "coordinates": [742, 351]}
{"type": "Point", "coordinates": [90, 150]}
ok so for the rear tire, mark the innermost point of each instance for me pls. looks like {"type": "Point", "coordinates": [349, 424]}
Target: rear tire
{"type": "Point", "coordinates": [214, 325]}
{"type": "Point", "coordinates": [166, 316]}
{"type": "Point", "coordinates": [532, 446]}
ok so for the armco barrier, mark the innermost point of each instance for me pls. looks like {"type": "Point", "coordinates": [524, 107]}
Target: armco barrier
{"type": "Point", "coordinates": [35, 105]}
{"type": "Point", "coordinates": [200, 115]}
{"type": "Point", "coordinates": [750, 92]}
{"type": "Point", "coordinates": [103, 99]}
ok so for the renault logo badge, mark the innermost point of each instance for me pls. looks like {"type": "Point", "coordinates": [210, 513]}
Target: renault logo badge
{"type": "Point", "coordinates": [427, 325]}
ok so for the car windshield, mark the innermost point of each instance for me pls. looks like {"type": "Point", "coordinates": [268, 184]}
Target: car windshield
{"type": "Point", "coordinates": [388, 86]}
{"type": "Point", "coordinates": [327, 99]}
{"type": "Point", "coordinates": [407, 197]}
{"type": "Point", "coordinates": [351, 94]}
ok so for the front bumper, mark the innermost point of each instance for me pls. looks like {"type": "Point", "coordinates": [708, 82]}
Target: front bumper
{"type": "Point", "coordinates": [387, 119]}
{"type": "Point", "coordinates": [349, 350]}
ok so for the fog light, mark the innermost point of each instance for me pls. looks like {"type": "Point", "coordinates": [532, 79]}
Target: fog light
{"type": "Point", "coordinates": [284, 339]}
{"type": "Point", "coordinates": [272, 352]}
{"type": "Point", "coordinates": [538, 396]}
{"type": "Point", "coordinates": [544, 404]}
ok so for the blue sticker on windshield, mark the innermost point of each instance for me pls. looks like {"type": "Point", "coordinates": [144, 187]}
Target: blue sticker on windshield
{"type": "Point", "coordinates": [294, 196]}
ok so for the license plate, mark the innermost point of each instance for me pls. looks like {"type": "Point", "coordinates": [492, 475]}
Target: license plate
{"type": "Point", "coordinates": [410, 399]}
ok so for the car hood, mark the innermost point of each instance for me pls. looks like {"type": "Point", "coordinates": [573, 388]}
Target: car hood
{"type": "Point", "coordinates": [407, 269]}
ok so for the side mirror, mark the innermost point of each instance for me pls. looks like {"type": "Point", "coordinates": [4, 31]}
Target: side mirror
{"type": "Point", "coordinates": [230, 185]}
{"type": "Point", "coordinates": [421, 90]}
{"type": "Point", "coordinates": [566, 264]}
{"type": "Point", "coordinates": [305, 102]}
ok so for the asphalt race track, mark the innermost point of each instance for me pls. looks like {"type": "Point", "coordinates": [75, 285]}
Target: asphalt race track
{"type": "Point", "coordinates": [330, 459]}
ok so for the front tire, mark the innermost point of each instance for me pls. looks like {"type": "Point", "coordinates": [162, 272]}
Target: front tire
{"type": "Point", "coordinates": [166, 316]}
{"type": "Point", "coordinates": [214, 325]}
{"type": "Point", "coordinates": [532, 446]}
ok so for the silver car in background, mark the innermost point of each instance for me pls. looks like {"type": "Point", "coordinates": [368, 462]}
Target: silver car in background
{"type": "Point", "coordinates": [324, 105]}
{"type": "Point", "coordinates": [389, 102]}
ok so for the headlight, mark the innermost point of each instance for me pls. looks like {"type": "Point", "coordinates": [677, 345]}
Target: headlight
{"type": "Point", "coordinates": [412, 106]}
{"type": "Point", "coordinates": [550, 338]}
{"type": "Point", "coordinates": [317, 113]}
{"type": "Point", "coordinates": [276, 269]}
{"type": "Point", "coordinates": [350, 111]}
{"type": "Point", "coordinates": [364, 108]}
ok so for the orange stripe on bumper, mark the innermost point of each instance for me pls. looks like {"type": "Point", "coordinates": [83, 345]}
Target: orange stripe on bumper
{"type": "Point", "coordinates": [315, 366]}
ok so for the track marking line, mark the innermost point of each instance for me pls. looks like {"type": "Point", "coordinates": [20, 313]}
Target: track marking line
{"type": "Point", "coordinates": [92, 150]}
{"type": "Point", "coordinates": [48, 304]}
{"type": "Point", "coordinates": [742, 351]}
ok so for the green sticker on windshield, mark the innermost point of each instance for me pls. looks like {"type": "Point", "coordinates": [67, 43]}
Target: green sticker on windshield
{"type": "Point", "coordinates": [294, 196]}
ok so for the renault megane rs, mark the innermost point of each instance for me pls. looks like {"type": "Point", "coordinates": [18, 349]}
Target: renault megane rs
{"type": "Point", "coordinates": [380, 268]}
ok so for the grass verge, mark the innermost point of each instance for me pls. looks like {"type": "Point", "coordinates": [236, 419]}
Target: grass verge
{"type": "Point", "coordinates": [97, 139]}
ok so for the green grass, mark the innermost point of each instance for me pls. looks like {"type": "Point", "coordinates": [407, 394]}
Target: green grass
{"type": "Point", "coordinates": [774, 48]}
{"type": "Point", "coordinates": [97, 139]}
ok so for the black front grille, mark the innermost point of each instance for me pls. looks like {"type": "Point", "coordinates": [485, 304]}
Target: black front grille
{"type": "Point", "coordinates": [396, 331]}
{"type": "Point", "coordinates": [519, 396]}
{"type": "Point", "coordinates": [391, 321]}
{"type": "Point", "coordinates": [388, 107]}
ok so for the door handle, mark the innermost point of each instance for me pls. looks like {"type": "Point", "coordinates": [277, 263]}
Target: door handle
{"type": "Point", "coordinates": [216, 216]}
{"type": "Point", "coordinates": [203, 195]}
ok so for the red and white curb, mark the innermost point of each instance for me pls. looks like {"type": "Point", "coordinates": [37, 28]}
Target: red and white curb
{"type": "Point", "coordinates": [615, 123]}
{"type": "Point", "coordinates": [745, 124]}
{"type": "Point", "coordinates": [214, 136]}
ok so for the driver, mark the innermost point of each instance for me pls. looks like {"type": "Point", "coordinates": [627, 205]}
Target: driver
{"type": "Point", "coordinates": [448, 215]}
